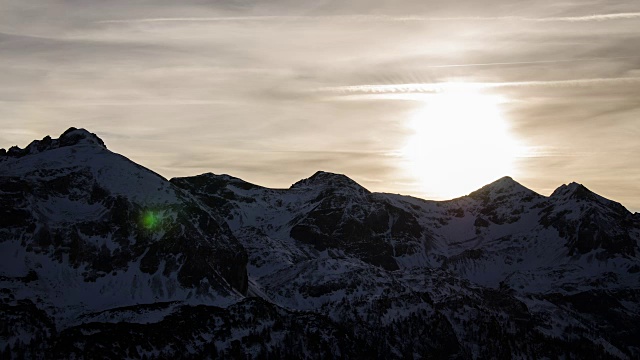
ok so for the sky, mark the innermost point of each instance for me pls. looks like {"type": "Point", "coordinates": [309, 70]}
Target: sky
{"type": "Point", "coordinates": [429, 98]}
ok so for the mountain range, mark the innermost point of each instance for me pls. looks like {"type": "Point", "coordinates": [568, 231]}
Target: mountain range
{"type": "Point", "coordinates": [102, 257]}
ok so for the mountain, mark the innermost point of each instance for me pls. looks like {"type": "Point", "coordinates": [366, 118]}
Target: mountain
{"type": "Point", "coordinates": [101, 256]}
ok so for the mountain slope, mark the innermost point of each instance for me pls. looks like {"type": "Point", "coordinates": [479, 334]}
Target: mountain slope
{"type": "Point", "coordinates": [85, 230]}
{"type": "Point", "coordinates": [101, 256]}
{"type": "Point", "coordinates": [488, 236]}
{"type": "Point", "coordinates": [318, 246]}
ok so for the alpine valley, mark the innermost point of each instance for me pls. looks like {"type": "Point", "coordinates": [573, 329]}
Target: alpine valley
{"type": "Point", "coordinates": [103, 258]}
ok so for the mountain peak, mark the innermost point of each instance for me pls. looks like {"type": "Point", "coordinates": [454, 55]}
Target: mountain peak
{"type": "Point", "coordinates": [75, 136]}
{"type": "Point", "coordinates": [212, 183]}
{"type": "Point", "coordinates": [504, 182]}
{"type": "Point", "coordinates": [70, 137]}
{"type": "Point", "coordinates": [327, 179]}
{"type": "Point", "coordinates": [573, 190]}
{"type": "Point", "coordinates": [503, 186]}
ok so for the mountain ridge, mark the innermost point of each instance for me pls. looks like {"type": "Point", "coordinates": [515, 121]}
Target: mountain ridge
{"type": "Point", "coordinates": [100, 255]}
{"type": "Point", "coordinates": [74, 136]}
{"type": "Point", "coordinates": [70, 137]}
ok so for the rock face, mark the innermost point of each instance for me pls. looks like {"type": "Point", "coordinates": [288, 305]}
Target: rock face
{"type": "Point", "coordinates": [94, 230]}
{"type": "Point", "coordinates": [590, 222]}
{"type": "Point", "coordinates": [101, 256]}
{"type": "Point", "coordinates": [348, 217]}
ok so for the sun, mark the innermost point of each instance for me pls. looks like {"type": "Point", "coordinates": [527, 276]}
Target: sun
{"type": "Point", "coordinates": [460, 141]}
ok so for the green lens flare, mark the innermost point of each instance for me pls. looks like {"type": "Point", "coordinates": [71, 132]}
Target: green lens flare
{"type": "Point", "coordinates": [150, 220]}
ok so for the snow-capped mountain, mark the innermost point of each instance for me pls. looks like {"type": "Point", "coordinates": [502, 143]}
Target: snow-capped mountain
{"type": "Point", "coordinates": [85, 230]}
{"type": "Point", "coordinates": [99, 255]}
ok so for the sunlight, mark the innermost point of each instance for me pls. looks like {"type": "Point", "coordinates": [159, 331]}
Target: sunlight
{"type": "Point", "coordinates": [460, 142]}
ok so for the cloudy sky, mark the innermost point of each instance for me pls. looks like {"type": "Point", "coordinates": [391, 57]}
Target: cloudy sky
{"type": "Point", "coordinates": [402, 96]}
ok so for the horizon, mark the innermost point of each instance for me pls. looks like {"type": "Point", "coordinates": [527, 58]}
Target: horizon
{"type": "Point", "coordinates": [409, 97]}
{"type": "Point", "coordinates": [326, 172]}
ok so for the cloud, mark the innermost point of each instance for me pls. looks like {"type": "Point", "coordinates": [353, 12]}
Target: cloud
{"type": "Point", "coordinates": [272, 91]}
{"type": "Point", "coordinates": [375, 18]}
{"type": "Point", "coordinates": [138, 102]}
{"type": "Point", "coordinates": [596, 17]}
{"type": "Point", "coordinates": [558, 61]}
{"type": "Point", "coordinates": [443, 86]}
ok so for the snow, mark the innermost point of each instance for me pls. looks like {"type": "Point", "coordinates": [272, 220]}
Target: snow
{"type": "Point", "coordinates": [455, 257]}
{"type": "Point", "coordinates": [68, 295]}
{"type": "Point", "coordinates": [521, 253]}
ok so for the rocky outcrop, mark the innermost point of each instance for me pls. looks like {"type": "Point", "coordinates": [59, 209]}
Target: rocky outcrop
{"type": "Point", "coordinates": [72, 207]}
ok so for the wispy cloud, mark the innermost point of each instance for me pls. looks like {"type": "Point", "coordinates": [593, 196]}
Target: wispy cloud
{"type": "Point", "coordinates": [255, 86]}
{"type": "Point", "coordinates": [558, 61]}
{"type": "Point", "coordinates": [336, 18]}
{"type": "Point", "coordinates": [208, 19]}
{"type": "Point", "coordinates": [142, 102]}
{"type": "Point", "coordinates": [443, 86]}
{"type": "Point", "coordinates": [595, 17]}
{"type": "Point", "coordinates": [379, 18]}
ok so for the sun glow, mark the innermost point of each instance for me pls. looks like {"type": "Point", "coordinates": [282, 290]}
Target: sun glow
{"type": "Point", "coordinates": [460, 142]}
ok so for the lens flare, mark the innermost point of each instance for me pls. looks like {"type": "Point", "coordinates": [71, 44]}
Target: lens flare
{"type": "Point", "coordinates": [150, 220]}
